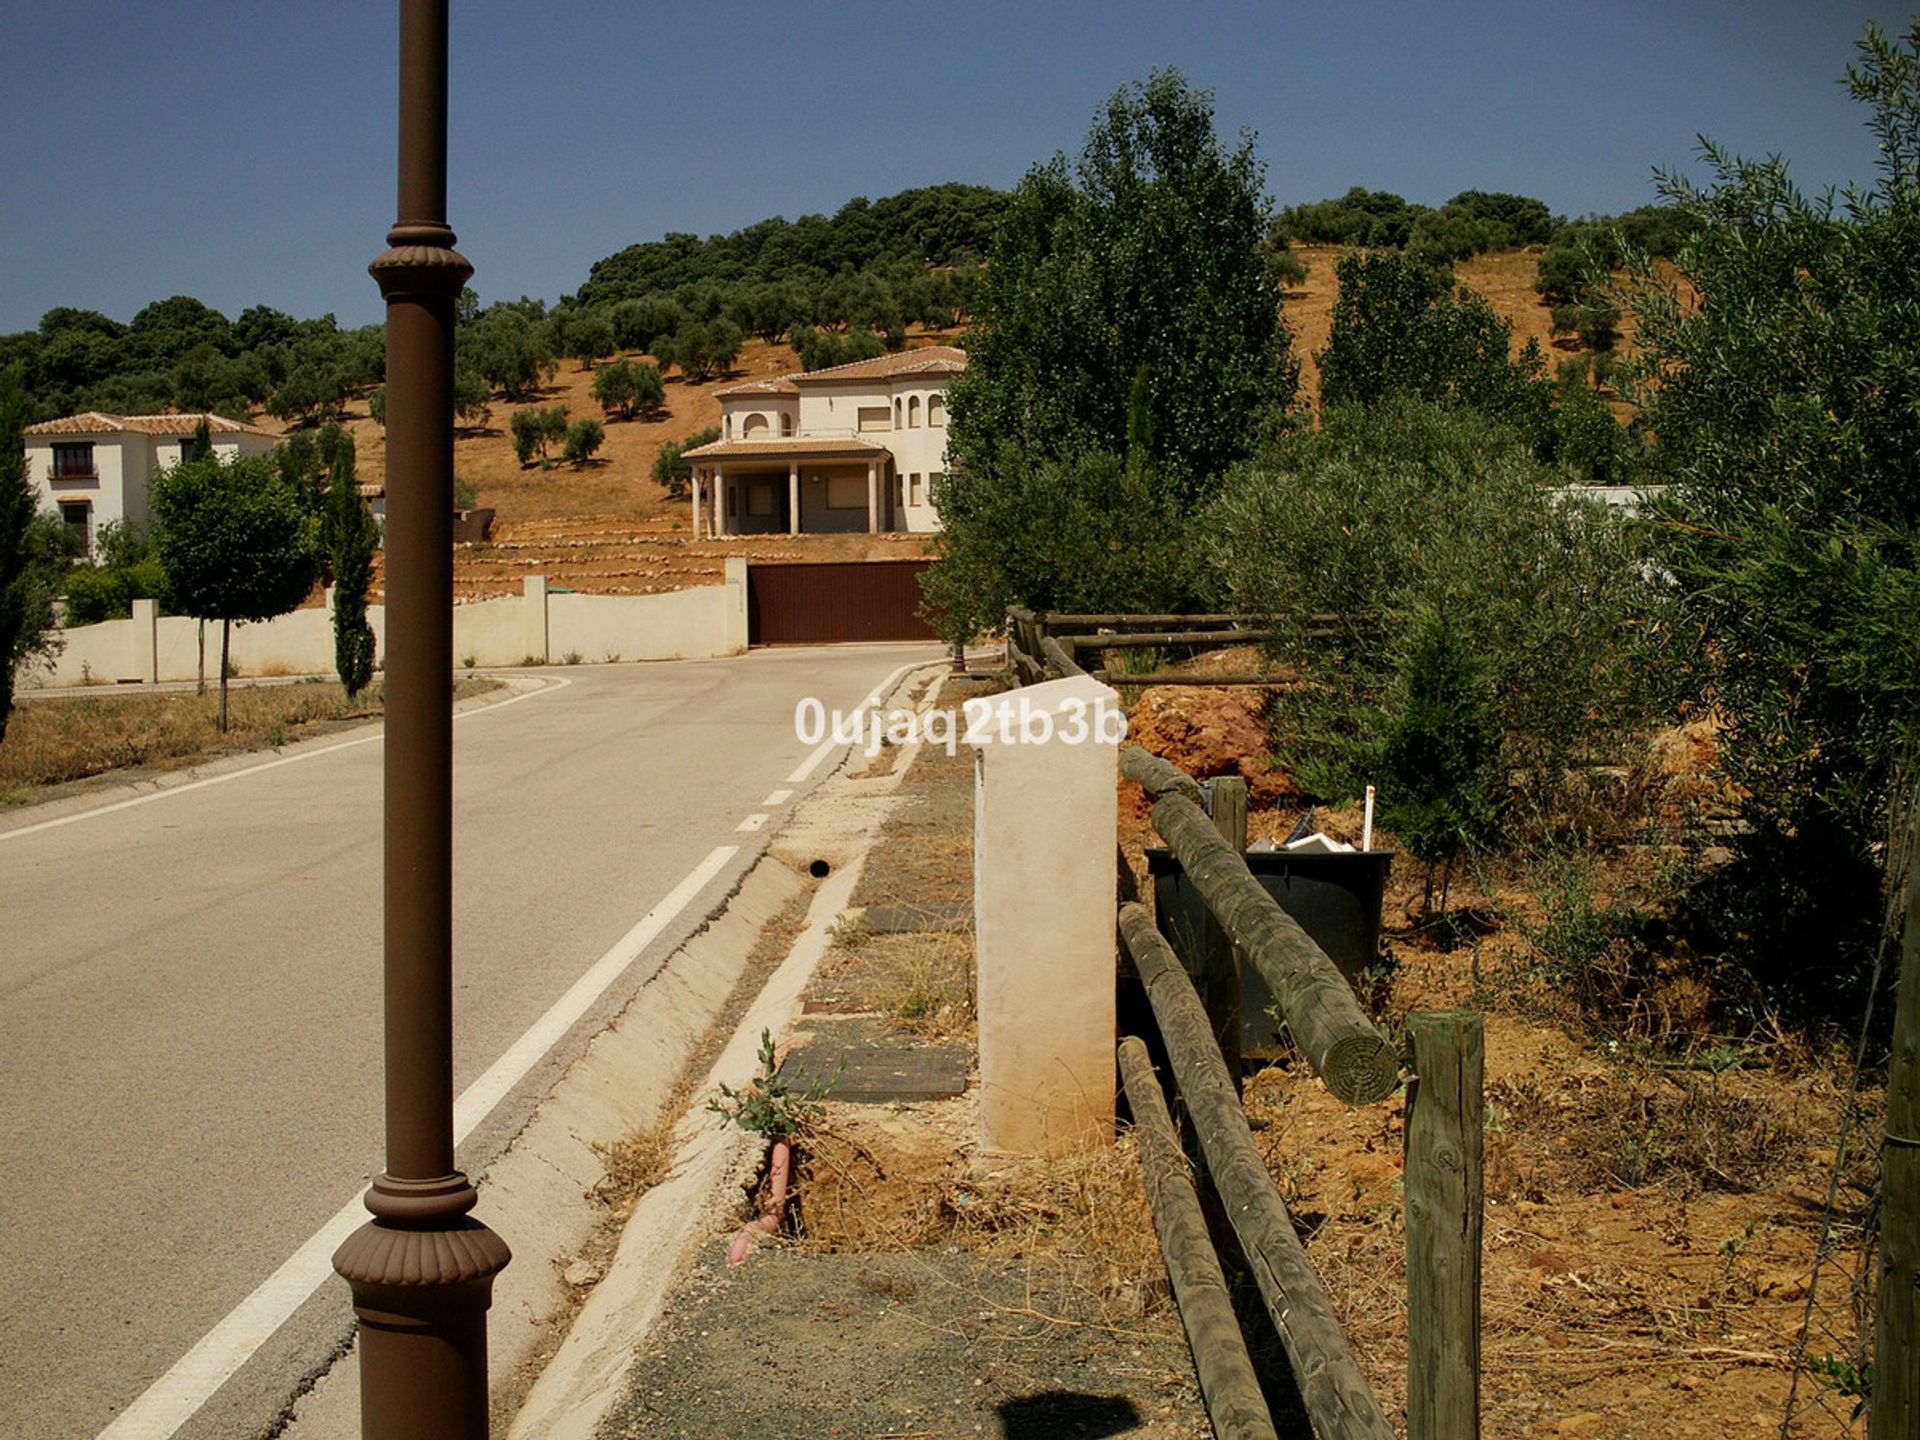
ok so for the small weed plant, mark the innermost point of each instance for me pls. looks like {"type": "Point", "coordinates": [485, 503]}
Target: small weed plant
{"type": "Point", "coordinates": [768, 1105]}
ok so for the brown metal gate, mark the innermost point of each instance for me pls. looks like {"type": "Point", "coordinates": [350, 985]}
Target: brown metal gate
{"type": "Point", "coordinates": [821, 602]}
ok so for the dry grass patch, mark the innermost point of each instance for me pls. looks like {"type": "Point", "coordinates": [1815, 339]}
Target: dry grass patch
{"type": "Point", "coordinates": [54, 741]}
{"type": "Point", "coordinates": [878, 1181]}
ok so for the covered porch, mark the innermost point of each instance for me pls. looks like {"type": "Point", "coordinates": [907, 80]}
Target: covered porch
{"type": "Point", "coordinates": [796, 486]}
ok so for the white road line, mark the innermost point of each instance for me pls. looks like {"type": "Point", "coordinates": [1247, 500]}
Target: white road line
{"type": "Point", "coordinates": [172, 790]}
{"type": "Point", "coordinates": [777, 798]}
{"type": "Point", "coordinates": [751, 824]}
{"type": "Point", "coordinates": [172, 1400]}
{"type": "Point", "coordinates": [827, 747]}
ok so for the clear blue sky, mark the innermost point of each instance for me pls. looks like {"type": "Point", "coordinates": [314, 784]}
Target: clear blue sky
{"type": "Point", "coordinates": [243, 152]}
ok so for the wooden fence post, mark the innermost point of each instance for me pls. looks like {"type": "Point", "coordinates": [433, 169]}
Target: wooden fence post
{"type": "Point", "coordinates": [1443, 1189]}
{"type": "Point", "coordinates": [1895, 1409]}
{"type": "Point", "coordinates": [1219, 960]}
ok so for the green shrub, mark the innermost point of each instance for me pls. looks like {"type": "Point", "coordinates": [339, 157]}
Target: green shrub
{"type": "Point", "coordinates": [1439, 745]}
{"type": "Point", "coordinates": [102, 593]}
{"type": "Point", "coordinates": [1385, 516]}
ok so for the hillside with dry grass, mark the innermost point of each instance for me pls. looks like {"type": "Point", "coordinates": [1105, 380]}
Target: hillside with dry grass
{"type": "Point", "coordinates": [605, 527]}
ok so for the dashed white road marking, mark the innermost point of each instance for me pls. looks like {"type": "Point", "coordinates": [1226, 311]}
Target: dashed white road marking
{"type": "Point", "coordinates": [826, 747]}
{"type": "Point", "coordinates": [750, 824]}
{"type": "Point", "coordinates": [777, 798]}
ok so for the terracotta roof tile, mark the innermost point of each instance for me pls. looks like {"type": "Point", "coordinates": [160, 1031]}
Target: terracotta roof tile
{"type": "Point", "coordinates": [97, 422]}
{"type": "Point", "coordinates": [773, 385]}
{"type": "Point", "coordinates": [927, 360]}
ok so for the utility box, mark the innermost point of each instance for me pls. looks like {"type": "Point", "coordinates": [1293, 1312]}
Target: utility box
{"type": "Point", "coordinates": [1336, 898]}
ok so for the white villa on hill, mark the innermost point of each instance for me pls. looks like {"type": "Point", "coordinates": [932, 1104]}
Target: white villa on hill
{"type": "Point", "coordinates": [853, 447]}
{"type": "Point", "coordinates": [95, 468]}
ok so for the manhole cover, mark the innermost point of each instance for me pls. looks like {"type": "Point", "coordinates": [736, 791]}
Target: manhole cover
{"type": "Point", "coordinates": [877, 1074]}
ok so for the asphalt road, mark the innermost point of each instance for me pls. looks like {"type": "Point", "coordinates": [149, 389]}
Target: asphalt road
{"type": "Point", "coordinates": [189, 1061]}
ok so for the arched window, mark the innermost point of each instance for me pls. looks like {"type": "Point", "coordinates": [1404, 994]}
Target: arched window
{"type": "Point", "coordinates": [756, 425]}
{"type": "Point", "coordinates": [913, 412]}
{"type": "Point", "coordinates": [896, 414]}
{"type": "Point", "coordinates": [937, 410]}
{"type": "Point", "coordinates": [786, 422]}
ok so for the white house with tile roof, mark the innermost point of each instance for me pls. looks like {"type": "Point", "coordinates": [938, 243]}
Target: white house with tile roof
{"type": "Point", "coordinates": [853, 447]}
{"type": "Point", "coordinates": [95, 468]}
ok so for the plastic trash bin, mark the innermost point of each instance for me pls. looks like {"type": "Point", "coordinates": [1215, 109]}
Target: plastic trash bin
{"type": "Point", "coordinates": [1335, 898]}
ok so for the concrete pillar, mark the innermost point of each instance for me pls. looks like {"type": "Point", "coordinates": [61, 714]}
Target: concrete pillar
{"type": "Point", "coordinates": [873, 496]}
{"type": "Point", "coordinates": [719, 500]}
{"type": "Point", "coordinates": [735, 640]}
{"type": "Point", "coordinates": [1045, 817]}
{"type": "Point", "coordinates": [146, 639]}
{"type": "Point", "coordinates": [793, 498]}
{"type": "Point", "coordinates": [697, 491]}
{"type": "Point", "coordinates": [533, 601]}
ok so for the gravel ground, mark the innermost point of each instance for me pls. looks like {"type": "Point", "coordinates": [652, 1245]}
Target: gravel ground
{"type": "Point", "coordinates": [793, 1346]}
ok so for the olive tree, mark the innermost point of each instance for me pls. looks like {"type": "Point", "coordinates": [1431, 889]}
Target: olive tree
{"type": "Point", "coordinates": [1787, 405]}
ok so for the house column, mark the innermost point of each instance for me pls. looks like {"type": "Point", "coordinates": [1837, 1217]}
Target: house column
{"type": "Point", "coordinates": [793, 498]}
{"type": "Point", "coordinates": [873, 497]}
{"type": "Point", "coordinates": [719, 500]}
{"type": "Point", "coordinates": [697, 493]}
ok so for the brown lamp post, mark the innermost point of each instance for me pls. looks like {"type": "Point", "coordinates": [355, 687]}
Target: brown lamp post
{"type": "Point", "coordinates": [422, 1269]}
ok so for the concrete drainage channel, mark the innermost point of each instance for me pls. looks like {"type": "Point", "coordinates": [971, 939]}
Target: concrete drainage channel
{"type": "Point", "coordinates": [535, 1193]}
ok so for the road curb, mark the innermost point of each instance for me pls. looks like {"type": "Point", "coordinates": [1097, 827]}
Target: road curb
{"type": "Point", "coordinates": [532, 1192]}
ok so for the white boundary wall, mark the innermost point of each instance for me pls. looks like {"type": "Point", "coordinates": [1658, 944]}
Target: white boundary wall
{"type": "Point", "coordinates": [534, 627]}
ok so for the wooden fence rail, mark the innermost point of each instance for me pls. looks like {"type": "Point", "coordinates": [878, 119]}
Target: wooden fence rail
{"type": "Point", "coordinates": [1358, 1065]}
{"type": "Point", "coordinates": [1156, 776]}
{"type": "Point", "coordinates": [1338, 1398]}
{"type": "Point", "coordinates": [1228, 1383]}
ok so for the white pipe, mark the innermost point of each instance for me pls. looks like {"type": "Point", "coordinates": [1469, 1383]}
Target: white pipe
{"type": "Point", "coordinates": [1366, 826]}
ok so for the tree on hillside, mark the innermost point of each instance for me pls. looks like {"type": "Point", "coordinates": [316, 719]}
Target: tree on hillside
{"type": "Point", "coordinates": [823, 349]}
{"type": "Point", "coordinates": [702, 348]}
{"type": "Point", "coordinates": [508, 348]}
{"type": "Point", "coordinates": [584, 438]}
{"type": "Point", "coordinates": [586, 336]}
{"type": "Point", "coordinates": [672, 471]}
{"type": "Point", "coordinates": [1787, 406]}
{"type": "Point", "coordinates": [315, 390]}
{"type": "Point", "coordinates": [628, 388]}
{"type": "Point", "coordinates": [351, 535]}
{"type": "Point", "coordinates": [1146, 255]}
{"type": "Point", "coordinates": [1400, 327]}
{"type": "Point", "coordinates": [637, 324]}
{"type": "Point", "coordinates": [34, 550]}
{"type": "Point", "coordinates": [535, 430]}
{"type": "Point", "coordinates": [237, 543]}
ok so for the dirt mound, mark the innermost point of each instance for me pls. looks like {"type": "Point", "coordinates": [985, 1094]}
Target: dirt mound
{"type": "Point", "coordinates": [1209, 732]}
{"type": "Point", "coordinates": [1678, 778]}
